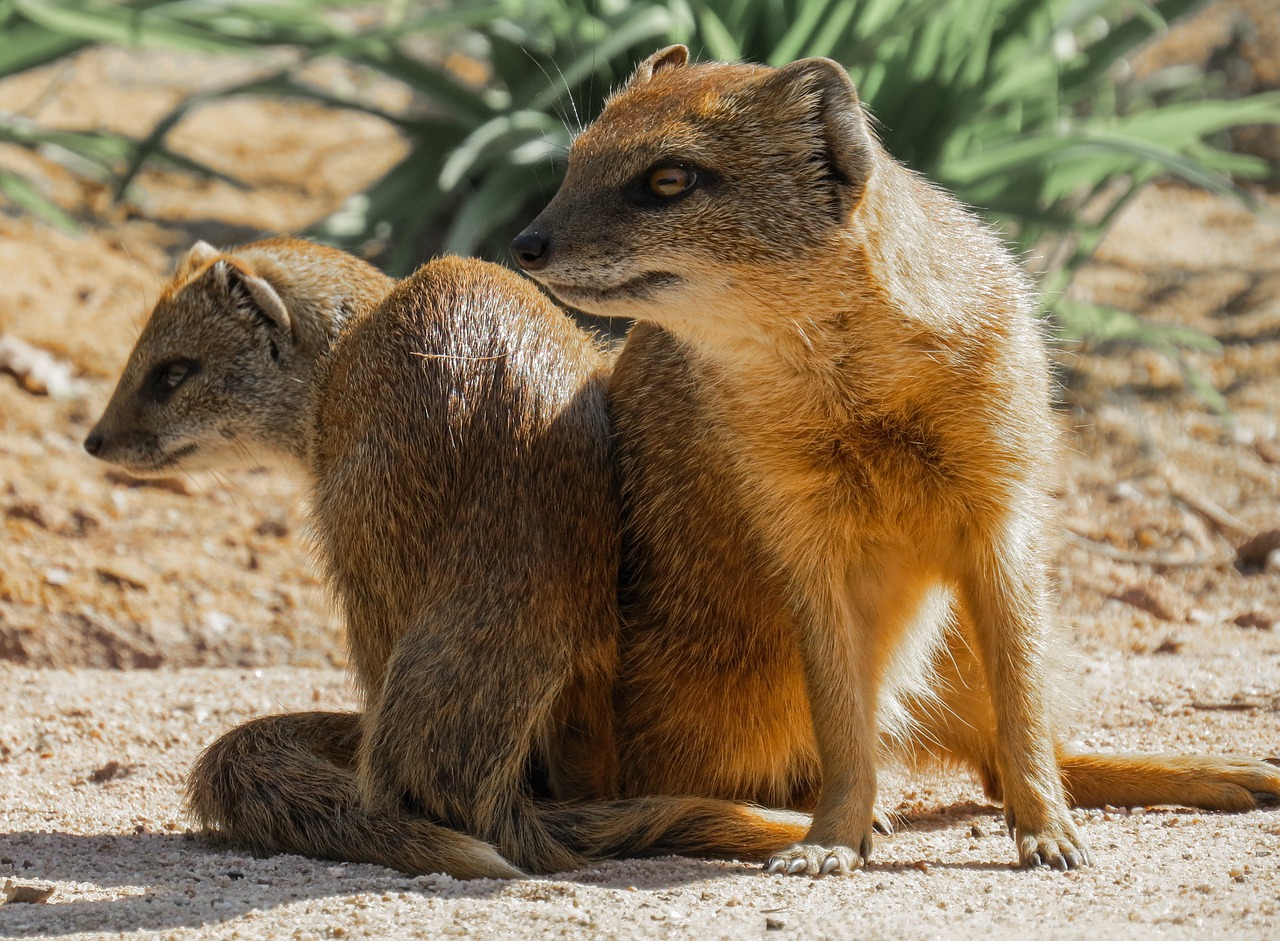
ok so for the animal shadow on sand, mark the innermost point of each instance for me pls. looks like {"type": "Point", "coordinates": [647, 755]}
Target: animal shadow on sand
{"type": "Point", "coordinates": [163, 881]}
{"type": "Point", "coordinates": [166, 881]}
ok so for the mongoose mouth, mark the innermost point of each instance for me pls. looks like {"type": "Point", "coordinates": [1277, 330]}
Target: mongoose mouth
{"type": "Point", "coordinates": [160, 465]}
{"type": "Point", "coordinates": [641, 287]}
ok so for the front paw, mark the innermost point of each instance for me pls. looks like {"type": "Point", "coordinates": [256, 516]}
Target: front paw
{"type": "Point", "coordinates": [1056, 845]}
{"type": "Point", "coordinates": [812, 859]}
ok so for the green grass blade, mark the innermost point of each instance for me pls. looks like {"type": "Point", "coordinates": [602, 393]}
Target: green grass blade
{"type": "Point", "coordinates": [434, 83]}
{"type": "Point", "coordinates": [494, 203]}
{"type": "Point", "coordinates": [121, 24]}
{"type": "Point", "coordinates": [717, 38]}
{"type": "Point", "coordinates": [20, 193]}
{"type": "Point", "coordinates": [804, 25]}
{"type": "Point", "coordinates": [646, 25]}
{"type": "Point", "coordinates": [495, 139]}
{"type": "Point", "coordinates": [28, 45]}
{"type": "Point", "coordinates": [1099, 56]}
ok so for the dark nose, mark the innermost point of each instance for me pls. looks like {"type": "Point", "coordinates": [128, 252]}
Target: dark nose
{"type": "Point", "coordinates": [93, 443]}
{"type": "Point", "coordinates": [531, 250]}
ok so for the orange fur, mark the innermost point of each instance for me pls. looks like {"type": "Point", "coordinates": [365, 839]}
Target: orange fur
{"type": "Point", "coordinates": [835, 431]}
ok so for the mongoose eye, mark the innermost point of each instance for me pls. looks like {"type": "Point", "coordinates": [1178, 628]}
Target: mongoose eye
{"type": "Point", "coordinates": [175, 372]}
{"type": "Point", "coordinates": [667, 182]}
{"type": "Point", "coordinates": [168, 376]}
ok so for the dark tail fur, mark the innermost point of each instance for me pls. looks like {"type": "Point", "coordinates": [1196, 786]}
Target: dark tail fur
{"type": "Point", "coordinates": [287, 784]}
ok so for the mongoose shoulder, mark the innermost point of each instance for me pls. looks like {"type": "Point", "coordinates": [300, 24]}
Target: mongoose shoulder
{"type": "Point", "coordinates": [835, 428]}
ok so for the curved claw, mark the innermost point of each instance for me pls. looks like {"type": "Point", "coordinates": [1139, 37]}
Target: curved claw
{"type": "Point", "coordinates": [1062, 852]}
{"type": "Point", "coordinates": [816, 860]}
{"type": "Point", "coordinates": [882, 822]}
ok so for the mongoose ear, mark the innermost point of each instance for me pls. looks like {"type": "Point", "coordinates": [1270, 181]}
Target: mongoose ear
{"type": "Point", "coordinates": [824, 89]}
{"type": "Point", "coordinates": [248, 293]}
{"type": "Point", "coordinates": [198, 255]}
{"type": "Point", "coordinates": [672, 57]}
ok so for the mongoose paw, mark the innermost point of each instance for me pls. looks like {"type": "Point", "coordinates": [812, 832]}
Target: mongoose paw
{"type": "Point", "coordinates": [1271, 795]}
{"type": "Point", "coordinates": [1057, 845]}
{"type": "Point", "coordinates": [812, 859]}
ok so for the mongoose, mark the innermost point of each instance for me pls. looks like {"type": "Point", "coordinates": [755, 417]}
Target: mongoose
{"type": "Point", "coordinates": [464, 501]}
{"type": "Point", "coordinates": [835, 428]}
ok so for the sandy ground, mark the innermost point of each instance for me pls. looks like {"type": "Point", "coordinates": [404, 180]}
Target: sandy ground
{"type": "Point", "coordinates": [138, 622]}
{"type": "Point", "coordinates": [119, 858]}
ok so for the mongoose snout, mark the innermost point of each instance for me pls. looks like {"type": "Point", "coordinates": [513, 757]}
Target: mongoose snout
{"type": "Point", "coordinates": [531, 249]}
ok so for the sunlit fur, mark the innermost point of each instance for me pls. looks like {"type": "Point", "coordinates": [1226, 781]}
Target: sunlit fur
{"type": "Point", "coordinates": [835, 431]}
{"type": "Point", "coordinates": [465, 510]}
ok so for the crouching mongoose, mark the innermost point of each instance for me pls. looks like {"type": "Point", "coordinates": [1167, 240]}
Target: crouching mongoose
{"type": "Point", "coordinates": [464, 501]}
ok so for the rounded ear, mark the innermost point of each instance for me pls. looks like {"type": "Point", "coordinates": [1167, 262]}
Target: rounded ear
{"type": "Point", "coordinates": [672, 57]}
{"type": "Point", "coordinates": [197, 256]}
{"type": "Point", "coordinates": [823, 89]}
{"type": "Point", "coordinates": [247, 291]}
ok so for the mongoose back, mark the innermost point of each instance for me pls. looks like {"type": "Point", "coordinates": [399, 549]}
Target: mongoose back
{"type": "Point", "coordinates": [835, 429]}
{"type": "Point", "coordinates": [465, 509]}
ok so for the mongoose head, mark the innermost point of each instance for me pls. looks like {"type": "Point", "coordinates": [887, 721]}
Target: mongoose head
{"type": "Point", "coordinates": [220, 375]}
{"type": "Point", "coordinates": [700, 182]}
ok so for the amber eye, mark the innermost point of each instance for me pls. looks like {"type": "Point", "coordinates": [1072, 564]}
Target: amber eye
{"type": "Point", "coordinates": [666, 182]}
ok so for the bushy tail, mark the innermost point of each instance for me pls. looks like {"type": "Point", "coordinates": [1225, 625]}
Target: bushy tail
{"type": "Point", "coordinates": [1231, 784]}
{"type": "Point", "coordinates": [684, 826]}
{"type": "Point", "coordinates": [286, 784]}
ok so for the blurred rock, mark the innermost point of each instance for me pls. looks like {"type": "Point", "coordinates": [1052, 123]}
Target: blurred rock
{"type": "Point", "coordinates": [36, 370]}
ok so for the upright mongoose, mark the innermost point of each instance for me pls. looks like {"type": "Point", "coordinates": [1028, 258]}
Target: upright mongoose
{"type": "Point", "coordinates": [835, 428]}
{"type": "Point", "coordinates": [465, 509]}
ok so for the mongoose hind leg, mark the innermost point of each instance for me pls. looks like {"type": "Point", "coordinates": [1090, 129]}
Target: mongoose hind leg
{"type": "Point", "coordinates": [286, 784]}
{"type": "Point", "coordinates": [959, 726]}
{"type": "Point", "coordinates": [457, 752]}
